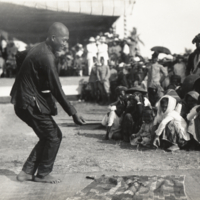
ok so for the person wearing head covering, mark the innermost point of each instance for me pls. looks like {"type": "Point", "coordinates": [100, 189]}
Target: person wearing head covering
{"type": "Point", "coordinates": [193, 66]}
{"type": "Point", "coordinates": [193, 118]}
{"type": "Point", "coordinates": [190, 100]}
{"type": "Point", "coordinates": [32, 94]}
{"type": "Point", "coordinates": [170, 125]}
{"type": "Point", "coordinates": [92, 50]}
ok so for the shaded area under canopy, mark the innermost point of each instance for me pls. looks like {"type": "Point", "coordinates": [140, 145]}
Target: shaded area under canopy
{"type": "Point", "coordinates": [30, 24]}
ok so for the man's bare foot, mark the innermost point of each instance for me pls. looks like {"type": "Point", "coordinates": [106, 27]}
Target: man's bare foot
{"type": "Point", "coordinates": [22, 176]}
{"type": "Point", "coordinates": [47, 179]}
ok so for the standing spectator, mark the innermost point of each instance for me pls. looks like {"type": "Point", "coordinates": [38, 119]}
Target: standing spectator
{"type": "Point", "coordinates": [69, 63]}
{"type": "Point", "coordinates": [103, 50]}
{"type": "Point", "coordinates": [103, 75]}
{"type": "Point", "coordinates": [156, 75]}
{"type": "Point", "coordinates": [3, 49]}
{"type": "Point", "coordinates": [92, 50]}
{"type": "Point", "coordinates": [79, 50]}
{"type": "Point", "coordinates": [193, 66]}
{"type": "Point", "coordinates": [93, 79]}
{"type": "Point", "coordinates": [155, 72]}
{"type": "Point", "coordinates": [113, 80]}
{"type": "Point", "coordinates": [133, 47]}
{"type": "Point", "coordinates": [179, 68]}
{"type": "Point", "coordinates": [2, 63]}
{"type": "Point", "coordinates": [78, 66]}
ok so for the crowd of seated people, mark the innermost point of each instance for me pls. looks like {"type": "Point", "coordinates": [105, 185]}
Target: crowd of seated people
{"type": "Point", "coordinates": [156, 107]}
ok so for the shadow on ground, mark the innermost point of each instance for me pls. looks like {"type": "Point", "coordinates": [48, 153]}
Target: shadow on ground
{"type": "Point", "coordinates": [9, 174]}
{"type": "Point", "coordinates": [88, 126]}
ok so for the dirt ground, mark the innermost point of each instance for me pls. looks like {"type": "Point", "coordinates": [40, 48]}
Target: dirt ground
{"type": "Point", "coordinates": [83, 149]}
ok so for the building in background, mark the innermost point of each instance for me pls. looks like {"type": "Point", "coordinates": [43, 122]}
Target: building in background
{"type": "Point", "coordinates": [28, 20]}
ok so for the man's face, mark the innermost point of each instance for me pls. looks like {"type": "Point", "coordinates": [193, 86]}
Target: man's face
{"type": "Point", "coordinates": [102, 61]}
{"type": "Point", "coordinates": [164, 106]}
{"type": "Point", "coordinates": [60, 42]}
{"type": "Point", "coordinates": [154, 60]}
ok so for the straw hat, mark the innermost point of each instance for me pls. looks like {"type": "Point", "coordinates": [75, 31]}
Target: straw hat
{"type": "Point", "coordinates": [91, 39]}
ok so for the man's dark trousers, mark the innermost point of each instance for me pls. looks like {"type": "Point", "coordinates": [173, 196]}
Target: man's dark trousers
{"type": "Point", "coordinates": [44, 153]}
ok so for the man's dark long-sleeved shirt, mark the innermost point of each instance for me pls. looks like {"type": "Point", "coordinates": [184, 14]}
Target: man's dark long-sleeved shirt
{"type": "Point", "coordinates": [38, 73]}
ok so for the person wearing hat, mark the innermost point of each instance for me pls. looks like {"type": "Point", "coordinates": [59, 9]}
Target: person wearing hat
{"type": "Point", "coordinates": [132, 119]}
{"type": "Point", "coordinates": [193, 66]}
{"type": "Point", "coordinates": [93, 79]}
{"type": "Point", "coordinates": [32, 94]}
{"type": "Point", "coordinates": [92, 50]}
{"type": "Point", "coordinates": [115, 50]}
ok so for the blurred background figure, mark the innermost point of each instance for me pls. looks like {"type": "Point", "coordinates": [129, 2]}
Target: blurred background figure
{"type": "Point", "coordinates": [193, 66]}
{"type": "Point", "coordinates": [92, 50]}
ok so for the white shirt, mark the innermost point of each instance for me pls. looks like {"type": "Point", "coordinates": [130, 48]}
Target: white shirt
{"type": "Point", "coordinates": [91, 50]}
{"type": "Point", "coordinates": [115, 122]}
{"type": "Point", "coordinates": [103, 50]}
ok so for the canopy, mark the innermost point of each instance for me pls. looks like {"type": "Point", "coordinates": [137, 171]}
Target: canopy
{"type": "Point", "coordinates": [29, 20]}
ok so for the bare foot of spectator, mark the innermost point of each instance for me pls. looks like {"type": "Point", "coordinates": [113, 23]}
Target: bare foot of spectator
{"type": "Point", "coordinates": [47, 179]}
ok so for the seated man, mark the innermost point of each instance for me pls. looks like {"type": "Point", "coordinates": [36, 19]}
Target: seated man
{"type": "Point", "coordinates": [113, 122]}
{"type": "Point", "coordinates": [132, 119]}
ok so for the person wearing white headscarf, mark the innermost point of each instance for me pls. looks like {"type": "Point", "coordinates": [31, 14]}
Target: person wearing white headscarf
{"type": "Point", "coordinates": [173, 117]}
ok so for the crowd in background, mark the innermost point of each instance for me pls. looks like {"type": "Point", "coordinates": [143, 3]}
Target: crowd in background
{"type": "Point", "coordinates": [8, 51]}
{"type": "Point", "coordinates": [152, 102]}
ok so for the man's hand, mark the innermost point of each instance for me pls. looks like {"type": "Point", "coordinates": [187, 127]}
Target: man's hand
{"type": "Point", "coordinates": [156, 141]}
{"type": "Point", "coordinates": [78, 119]}
{"type": "Point", "coordinates": [137, 98]}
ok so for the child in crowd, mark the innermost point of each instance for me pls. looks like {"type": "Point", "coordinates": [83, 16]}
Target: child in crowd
{"type": "Point", "coordinates": [145, 135]}
{"type": "Point", "coordinates": [193, 118]}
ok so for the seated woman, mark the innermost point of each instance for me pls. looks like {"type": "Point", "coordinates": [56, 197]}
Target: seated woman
{"type": "Point", "coordinates": [145, 136]}
{"type": "Point", "coordinates": [171, 126]}
{"type": "Point", "coordinates": [113, 123]}
{"type": "Point", "coordinates": [193, 118]}
{"type": "Point", "coordinates": [190, 101]}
